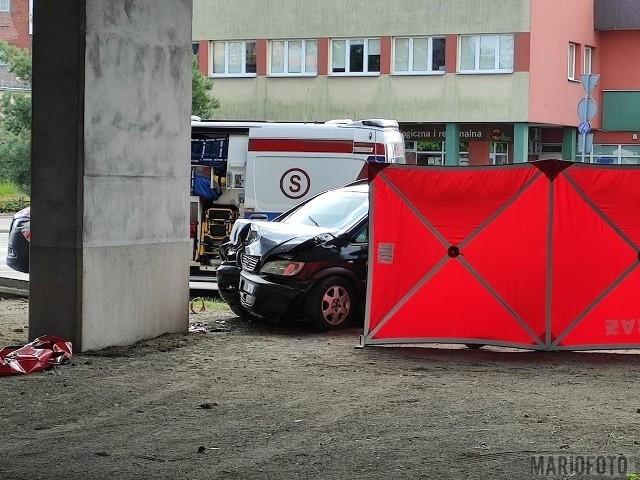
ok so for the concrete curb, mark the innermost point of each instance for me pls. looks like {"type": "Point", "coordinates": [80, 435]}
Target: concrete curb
{"type": "Point", "coordinates": [14, 287]}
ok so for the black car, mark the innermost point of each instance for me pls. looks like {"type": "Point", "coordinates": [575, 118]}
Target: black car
{"type": "Point", "coordinates": [18, 245]}
{"type": "Point", "coordinates": [310, 262]}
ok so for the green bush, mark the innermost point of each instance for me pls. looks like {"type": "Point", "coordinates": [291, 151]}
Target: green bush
{"type": "Point", "coordinates": [8, 189]}
{"type": "Point", "coordinates": [12, 198]}
{"type": "Point", "coordinates": [12, 206]}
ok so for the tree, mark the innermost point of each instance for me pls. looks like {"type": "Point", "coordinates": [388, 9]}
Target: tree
{"type": "Point", "coordinates": [15, 114]}
{"type": "Point", "coordinates": [202, 103]}
{"type": "Point", "coordinates": [18, 61]}
{"type": "Point", "coordinates": [15, 120]}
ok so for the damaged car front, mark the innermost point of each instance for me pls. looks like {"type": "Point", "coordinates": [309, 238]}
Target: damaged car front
{"type": "Point", "coordinates": [309, 263]}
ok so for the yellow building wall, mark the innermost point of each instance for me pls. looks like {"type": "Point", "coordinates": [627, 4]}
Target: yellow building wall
{"type": "Point", "coordinates": [442, 98]}
{"type": "Point", "coordinates": [251, 19]}
{"type": "Point", "coordinates": [437, 98]}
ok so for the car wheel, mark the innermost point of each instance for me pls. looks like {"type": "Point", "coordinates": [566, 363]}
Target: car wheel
{"type": "Point", "coordinates": [239, 312]}
{"type": "Point", "coordinates": [331, 304]}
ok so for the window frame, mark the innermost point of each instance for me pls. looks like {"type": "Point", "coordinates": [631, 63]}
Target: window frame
{"type": "Point", "coordinates": [411, 70]}
{"type": "Point", "coordinates": [587, 61]}
{"type": "Point", "coordinates": [303, 58]}
{"type": "Point", "coordinates": [494, 155]}
{"type": "Point", "coordinates": [226, 43]}
{"type": "Point", "coordinates": [571, 61]}
{"type": "Point", "coordinates": [365, 229]}
{"type": "Point", "coordinates": [8, 8]}
{"type": "Point", "coordinates": [477, 56]}
{"type": "Point", "coordinates": [617, 151]}
{"type": "Point", "coordinates": [436, 157]}
{"type": "Point", "coordinates": [347, 73]}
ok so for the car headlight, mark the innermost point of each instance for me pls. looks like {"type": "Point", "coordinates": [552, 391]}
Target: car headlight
{"type": "Point", "coordinates": [286, 268]}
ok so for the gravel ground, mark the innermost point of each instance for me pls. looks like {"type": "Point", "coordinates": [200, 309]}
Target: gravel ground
{"type": "Point", "coordinates": [250, 400]}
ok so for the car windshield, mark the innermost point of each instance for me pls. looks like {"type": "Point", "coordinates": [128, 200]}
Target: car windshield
{"type": "Point", "coordinates": [335, 209]}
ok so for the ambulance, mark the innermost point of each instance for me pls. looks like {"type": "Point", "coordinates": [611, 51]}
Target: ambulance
{"type": "Point", "coordinates": [259, 169]}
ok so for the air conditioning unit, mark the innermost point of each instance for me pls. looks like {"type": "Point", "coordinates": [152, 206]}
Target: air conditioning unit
{"type": "Point", "coordinates": [535, 148]}
{"type": "Point", "coordinates": [535, 134]}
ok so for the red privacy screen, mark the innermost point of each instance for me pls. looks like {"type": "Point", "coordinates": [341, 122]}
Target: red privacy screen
{"type": "Point", "coordinates": [541, 255]}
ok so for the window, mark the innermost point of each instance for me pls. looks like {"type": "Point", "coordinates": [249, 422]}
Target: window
{"type": "Point", "coordinates": [294, 57]}
{"type": "Point", "coordinates": [335, 210]}
{"type": "Point", "coordinates": [571, 73]}
{"type": "Point", "coordinates": [486, 54]}
{"type": "Point", "coordinates": [588, 60]}
{"type": "Point", "coordinates": [5, 5]}
{"type": "Point", "coordinates": [555, 148]}
{"type": "Point", "coordinates": [432, 152]}
{"type": "Point", "coordinates": [362, 236]}
{"type": "Point", "coordinates": [612, 154]}
{"type": "Point", "coordinates": [418, 54]}
{"type": "Point", "coordinates": [234, 58]}
{"type": "Point", "coordinates": [499, 153]}
{"type": "Point", "coordinates": [355, 56]}
{"type": "Point", "coordinates": [630, 154]}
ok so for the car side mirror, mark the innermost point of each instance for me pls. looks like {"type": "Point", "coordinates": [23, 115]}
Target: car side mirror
{"type": "Point", "coordinates": [340, 241]}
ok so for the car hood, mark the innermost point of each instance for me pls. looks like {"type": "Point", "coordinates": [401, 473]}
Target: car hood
{"type": "Point", "coordinates": [269, 238]}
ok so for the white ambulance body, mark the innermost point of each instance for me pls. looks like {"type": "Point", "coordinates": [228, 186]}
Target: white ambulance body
{"type": "Point", "coordinates": [261, 169]}
{"type": "Point", "coordinates": [286, 166]}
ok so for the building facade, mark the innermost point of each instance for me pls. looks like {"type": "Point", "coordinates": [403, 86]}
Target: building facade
{"type": "Point", "coordinates": [469, 81]}
{"type": "Point", "coordinates": [16, 22]}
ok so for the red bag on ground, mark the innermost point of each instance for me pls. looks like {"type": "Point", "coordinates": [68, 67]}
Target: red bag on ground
{"type": "Point", "coordinates": [41, 354]}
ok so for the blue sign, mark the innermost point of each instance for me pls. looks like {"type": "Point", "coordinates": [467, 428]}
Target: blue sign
{"type": "Point", "coordinates": [587, 109]}
{"type": "Point", "coordinates": [584, 128]}
{"type": "Point", "coordinates": [607, 160]}
{"type": "Point", "coordinates": [589, 82]}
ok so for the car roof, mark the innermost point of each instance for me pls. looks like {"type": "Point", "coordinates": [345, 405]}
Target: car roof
{"type": "Point", "coordinates": [359, 186]}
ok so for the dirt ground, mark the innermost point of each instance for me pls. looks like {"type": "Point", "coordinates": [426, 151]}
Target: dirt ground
{"type": "Point", "coordinates": [254, 400]}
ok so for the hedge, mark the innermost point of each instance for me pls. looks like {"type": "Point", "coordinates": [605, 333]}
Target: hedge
{"type": "Point", "coordinates": [12, 206]}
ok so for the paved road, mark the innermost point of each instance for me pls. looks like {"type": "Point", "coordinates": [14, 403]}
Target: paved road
{"type": "Point", "coordinates": [5, 222]}
{"type": "Point", "coordinates": [8, 273]}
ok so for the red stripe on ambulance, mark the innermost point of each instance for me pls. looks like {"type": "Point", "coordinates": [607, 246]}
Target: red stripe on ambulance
{"type": "Point", "coordinates": [314, 146]}
{"type": "Point", "coordinates": [300, 145]}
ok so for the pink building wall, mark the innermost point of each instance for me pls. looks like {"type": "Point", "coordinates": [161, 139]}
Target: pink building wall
{"type": "Point", "coordinates": [554, 24]}
{"type": "Point", "coordinates": [618, 54]}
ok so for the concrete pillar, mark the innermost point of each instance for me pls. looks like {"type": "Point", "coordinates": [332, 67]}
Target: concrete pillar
{"type": "Point", "coordinates": [520, 142]}
{"type": "Point", "coordinates": [569, 142]}
{"type": "Point", "coordinates": [452, 144]}
{"type": "Point", "coordinates": [110, 170]}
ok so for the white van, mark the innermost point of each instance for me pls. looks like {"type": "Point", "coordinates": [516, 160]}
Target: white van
{"type": "Point", "coordinates": [261, 169]}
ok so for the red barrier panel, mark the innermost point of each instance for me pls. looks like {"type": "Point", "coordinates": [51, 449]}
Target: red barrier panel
{"type": "Point", "coordinates": [542, 255]}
